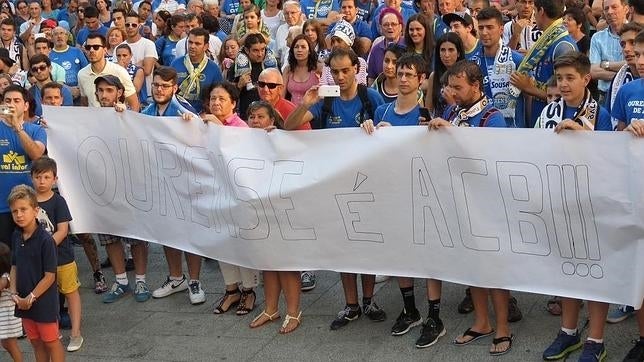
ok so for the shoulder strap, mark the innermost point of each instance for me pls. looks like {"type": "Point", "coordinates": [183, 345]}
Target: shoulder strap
{"type": "Point", "coordinates": [327, 111]}
{"type": "Point", "coordinates": [366, 103]}
{"type": "Point", "coordinates": [486, 116]}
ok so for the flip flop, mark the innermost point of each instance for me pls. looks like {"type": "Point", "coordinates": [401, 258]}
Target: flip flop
{"type": "Point", "coordinates": [475, 336]}
{"type": "Point", "coordinates": [500, 340]}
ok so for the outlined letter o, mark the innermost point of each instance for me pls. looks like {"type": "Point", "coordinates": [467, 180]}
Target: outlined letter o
{"type": "Point", "coordinates": [97, 170]}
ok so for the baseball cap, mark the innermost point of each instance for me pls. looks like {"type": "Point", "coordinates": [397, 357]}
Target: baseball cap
{"type": "Point", "coordinates": [48, 24]}
{"type": "Point", "coordinates": [344, 31]}
{"type": "Point", "coordinates": [111, 80]}
{"type": "Point", "coordinates": [463, 17]}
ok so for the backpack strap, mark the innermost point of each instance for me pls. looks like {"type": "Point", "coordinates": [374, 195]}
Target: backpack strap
{"type": "Point", "coordinates": [327, 108]}
{"type": "Point", "coordinates": [327, 111]}
{"type": "Point", "coordinates": [366, 103]}
{"type": "Point", "coordinates": [486, 116]}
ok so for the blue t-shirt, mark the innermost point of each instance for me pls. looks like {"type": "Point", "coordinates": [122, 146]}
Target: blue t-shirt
{"type": "Point", "coordinates": [440, 28]}
{"type": "Point", "coordinates": [603, 122]}
{"type": "Point", "coordinates": [68, 98]}
{"type": "Point", "coordinates": [15, 164]}
{"type": "Point", "coordinates": [166, 49]}
{"type": "Point", "coordinates": [360, 28]}
{"type": "Point", "coordinates": [82, 35]}
{"type": "Point", "coordinates": [176, 107]}
{"type": "Point", "coordinates": [629, 103]}
{"type": "Point", "coordinates": [346, 113]}
{"type": "Point", "coordinates": [474, 54]}
{"type": "Point", "coordinates": [387, 113]}
{"type": "Point", "coordinates": [319, 10]}
{"type": "Point", "coordinates": [494, 118]}
{"type": "Point", "coordinates": [72, 60]}
{"type": "Point", "coordinates": [230, 7]}
{"type": "Point", "coordinates": [364, 10]}
{"type": "Point", "coordinates": [210, 75]}
{"type": "Point", "coordinates": [32, 258]}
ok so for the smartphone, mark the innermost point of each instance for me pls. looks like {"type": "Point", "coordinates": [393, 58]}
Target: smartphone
{"type": "Point", "coordinates": [329, 91]}
{"type": "Point", "coordinates": [4, 109]}
{"type": "Point", "coordinates": [424, 112]}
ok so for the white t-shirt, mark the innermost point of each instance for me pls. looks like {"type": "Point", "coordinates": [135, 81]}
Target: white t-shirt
{"type": "Point", "coordinates": [141, 49]}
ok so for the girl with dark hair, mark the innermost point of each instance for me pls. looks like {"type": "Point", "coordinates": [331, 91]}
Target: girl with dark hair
{"type": "Point", "coordinates": [419, 37]}
{"type": "Point", "coordinates": [386, 83]}
{"type": "Point", "coordinates": [312, 29]}
{"type": "Point", "coordinates": [104, 14]}
{"type": "Point", "coordinates": [303, 70]}
{"type": "Point", "coordinates": [228, 54]}
{"type": "Point", "coordinates": [123, 55]}
{"type": "Point", "coordinates": [22, 13]}
{"type": "Point", "coordinates": [449, 49]}
{"type": "Point", "coordinates": [6, 9]}
{"type": "Point", "coordinates": [161, 19]}
{"type": "Point", "coordinates": [175, 30]}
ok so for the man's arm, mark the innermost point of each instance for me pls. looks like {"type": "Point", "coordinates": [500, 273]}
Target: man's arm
{"type": "Point", "coordinates": [34, 149]}
{"type": "Point", "coordinates": [301, 114]}
{"type": "Point", "coordinates": [148, 65]}
{"type": "Point", "coordinates": [133, 102]}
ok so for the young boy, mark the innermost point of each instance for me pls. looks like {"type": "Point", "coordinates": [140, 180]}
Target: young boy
{"type": "Point", "coordinates": [576, 110]}
{"type": "Point", "coordinates": [33, 273]}
{"type": "Point", "coordinates": [54, 217]}
{"type": "Point", "coordinates": [552, 91]}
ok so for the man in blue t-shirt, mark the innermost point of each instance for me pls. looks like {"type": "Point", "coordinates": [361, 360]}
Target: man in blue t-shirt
{"type": "Point", "coordinates": [195, 71]}
{"type": "Point", "coordinates": [354, 106]}
{"type": "Point", "coordinates": [92, 26]}
{"type": "Point", "coordinates": [629, 102]}
{"type": "Point", "coordinates": [41, 71]}
{"type": "Point", "coordinates": [362, 42]}
{"type": "Point", "coordinates": [324, 11]}
{"type": "Point", "coordinates": [71, 59]}
{"type": "Point", "coordinates": [20, 143]}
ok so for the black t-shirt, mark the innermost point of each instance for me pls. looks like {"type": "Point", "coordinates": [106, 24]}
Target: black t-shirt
{"type": "Point", "coordinates": [246, 97]}
{"type": "Point", "coordinates": [53, 212]}
{"type": "Point", "coordinates": [32, 258]}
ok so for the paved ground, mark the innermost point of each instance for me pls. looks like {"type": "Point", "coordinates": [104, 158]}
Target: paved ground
{"type": "Point", "coordinates": [171, 329]}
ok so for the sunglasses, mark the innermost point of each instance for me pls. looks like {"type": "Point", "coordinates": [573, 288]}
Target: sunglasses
{"type": "Point", "coordinates": [269, 85]}
{"type": "Point", "coordinates": [41, 68]}
{"type": "Point", "coordinates": [131, 25]}
{"type": "Point", "coordinates": [93, 47]}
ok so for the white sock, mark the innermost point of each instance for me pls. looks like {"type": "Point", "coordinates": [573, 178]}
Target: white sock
{"type": "Point", "coordinates": [177, 279]}
{"type": "Point", "coordinates": [139, 278]}
{"type": "Point", "coordinates": [568, 331]}
{"type": "Point", "coordinates": [122, 279]}
{"type": "Point", "coordinates": [595, 340]}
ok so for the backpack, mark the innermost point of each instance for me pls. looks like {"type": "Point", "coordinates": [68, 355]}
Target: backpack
{"type": "Point", "coordinates": [327, 108]}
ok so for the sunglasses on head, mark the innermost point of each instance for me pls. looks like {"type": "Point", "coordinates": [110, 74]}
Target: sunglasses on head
{"type": "Point", "coordinates": [93, 47]}
{"type": "Point", "coordinates": [269, 85]}
{"type": "Point", "coordinates": [41, 68]}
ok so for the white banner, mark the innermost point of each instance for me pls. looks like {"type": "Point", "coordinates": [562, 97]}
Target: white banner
{"type": "Point", "coordinates": [511, 208]}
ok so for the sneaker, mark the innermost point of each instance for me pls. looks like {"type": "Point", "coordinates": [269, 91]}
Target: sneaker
{"type": "Point", "coordinates": [593, 352]}
{"type": "Point", "coordinates": [141, 292]}
{"type": "Point", "coordinates": [117, 291]}
{"type": "Point", "coordinates": [308, 280]}
{"type": "Point", "coordinates": [562, 346]}
{"type": "Point", "coordinates": [466, 305]}
{"type": "Point", "coordinates": [620, 314]}
{"type": "Point", "coordinates": [381, 278]}
{"type": "Point", "coordinates": [432, 331]}
{"type": "Point", "coordinates": [196, 294]}
{"type": "Point", "coordinates": [373, 312]}
{"type": "Point", "coordinates": [514, 313]}
{"type": "Point", "coordinates": [405, 322]}
{"type": "Point", "coordinates": [100, 286]}
{"type": "Point", "coordinates": [344, 317]}
{"type": "Point", "coordinates": [75, 343]}
{"type": "Point", "coordinates": [170, 287]}
{"type": "Point", "coordinates": [636, 354]}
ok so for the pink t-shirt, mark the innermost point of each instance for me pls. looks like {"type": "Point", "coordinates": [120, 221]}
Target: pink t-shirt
{"type": "Point", "coordinates": [235, 121]}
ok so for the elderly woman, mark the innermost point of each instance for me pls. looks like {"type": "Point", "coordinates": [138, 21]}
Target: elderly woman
{"type": "Point", "coordinates": [220, 106]}
{"type": "Point", "coordinates": [262, 115]}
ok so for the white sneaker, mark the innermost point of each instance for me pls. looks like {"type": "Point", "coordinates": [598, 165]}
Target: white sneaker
{"type": "Point", "coordinates": [170, 287]}
{"type": "Point", "coordinates": [75, 344]}
{"type": "Point", "coordinates": [197, 295]}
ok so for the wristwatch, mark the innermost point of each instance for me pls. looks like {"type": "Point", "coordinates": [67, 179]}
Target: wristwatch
{"type": "Point", "coordinates": [605, 65]}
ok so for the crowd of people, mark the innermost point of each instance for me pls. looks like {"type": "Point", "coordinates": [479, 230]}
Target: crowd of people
{"type": "Point", "coordinates": [568, 65]}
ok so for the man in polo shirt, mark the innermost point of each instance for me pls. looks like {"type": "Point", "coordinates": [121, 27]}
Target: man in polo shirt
{"type": "Point", "coordinates": [98, 65]}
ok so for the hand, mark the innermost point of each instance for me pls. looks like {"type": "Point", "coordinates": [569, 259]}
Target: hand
{"type": "Point", "coordinates": [211, 118]}
{"type": "Point", "coordinates": [368, 126]}
{"type": "Point", "coordinates": [243, 80]}
{"type": "Point", "coordinates": [383, 124]}
{"type": "Point", "coordinates": [120, 107]}
{"type": "Point", "coordinates": [568, 124]}
{"type": "Point", "coordinates": [521, 81]}
{"type": "Point", "coordinates": [636, 127]}
{"type": "Point", "coordinates": [11, 118]}
{"type": "Point", "coordinates": [311, 96]}
{"type": "Point", "coordinates": [422, 121]}
{"type": "Point", "coordinates": [519, 25]}
{"type": "Point", "coordinates": [186, 116]}
{"type": "Point", "coordinates": [438, 123]}
{"type": "Point", "coordinates": [42, 122]}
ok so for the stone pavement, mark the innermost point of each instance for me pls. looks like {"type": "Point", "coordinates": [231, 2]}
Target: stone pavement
{"type": "Point", "coordinates": [171, 329]}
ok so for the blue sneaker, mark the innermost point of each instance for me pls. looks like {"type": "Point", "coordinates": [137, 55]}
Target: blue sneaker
{"type": "Point", "coordinates": [620, 314]}
{"type": "Point", "coordinates": [117, 291]}
{"type": "Point", "coordinates": [141, 292]}
{"type": "Point", "coordinates": [593, 352]}
{"type": "Point", "coordinates": [562, 346]}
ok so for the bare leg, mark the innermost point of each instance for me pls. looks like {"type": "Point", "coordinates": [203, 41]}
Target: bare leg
{"type": "Point", "coordinates": [74, 305]}
{"type": "Point", "coordinates": [570, 313]}
{"type": "Point", "coordinates": [117, 256]}
{"type": "Point", "coordinates": [271, 296]}
{"type": "Point", "coordinates": [404, 282]}
{"type": "Point", "coordinates": [350, 286]}
{"type": "Point", "coordinates": [140, 255]}
{"type": "Point", "coordinates": [11, 346]}
{"type": "Point", "coordinates": [89, 247]}
{"type": "Point", "coordinates": [368, 284]}
{"type": "Point", "coordinates": [291, 285]}
{"type": "Point", "coordinates": [40, 351]}
{"type": "Point", "coordinates": [173, 257]}
{"type": "Point", "coordinates": [640, 321]}
{"type": "Point", "coordinates": [434, 289]}
{"type": "Point", "coordinates": [500, 299]}
{"type": "Point", "coordinates": [194, 265]}
{"type": "Point", "coordinates": [597, 312]}
{"type": "Point", "coordinates": [481, 317]}
{"type": "Point", "coordinates": [55, 351]}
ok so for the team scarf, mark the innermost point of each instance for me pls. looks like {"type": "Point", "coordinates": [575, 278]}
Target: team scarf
{"type": "Point", "coordinates": [586, 114]}
{"type": "Point", "coordinates": [536, 53]}
{"type": "Point", "coordinates": [190, 88]}
{"type": "Point", "coordinates": [623, 76]}
{"type": "Point", "coordinates": [463, 115]}
{"type": "Point", "coordinates": [499, 80]}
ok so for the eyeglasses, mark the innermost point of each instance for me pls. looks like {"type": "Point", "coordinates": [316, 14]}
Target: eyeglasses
{"type": "Point", "coordinates": [389, 25]}
{"type": "Point", "coordinates": [41, 68]}
{"type": "Point", "coordinates": [93, 47]}
{"type": "Point", "coordinates": [131, 25]}
{"type": "Point", "coordinates": [261, 84]}
{"type": "Point", "coordinates": [162, 85]}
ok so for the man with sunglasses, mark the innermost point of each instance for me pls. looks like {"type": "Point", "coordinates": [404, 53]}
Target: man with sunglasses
{"type": "Point", "coordinates": [195, 71]}
{"type": "Point", "coordinates": [144, 52]}
{"type": "Point", "coordinates": [93, 25]}
{"type": "Point", "coordinates": [98, 65]}
{"type": "Point", "coordinates": [40, 66]}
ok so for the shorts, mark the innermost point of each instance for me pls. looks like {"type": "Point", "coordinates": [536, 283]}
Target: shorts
{"type": "Point", "coordinates": [46, 332]}
{"type": "Point", "coordinates": [106, 239]}
{"type": "Point", "coordinates": [67, 278]}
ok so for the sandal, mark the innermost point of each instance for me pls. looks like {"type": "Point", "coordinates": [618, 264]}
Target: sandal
{"type": "Point", "coordinates": [475, 336]}
{"type": "Point", "coordinates": [287, 320]}
{"type": "Point", "coordinates": [222, 307]}
{"type": "Point", "coordinates": [554, 306]}
{"type": "Point", "coordinates": [497, 341]}
{"type": "Point", "coordinates": [242, 307]}
{"type": "Point", "coordinates": [268, 318]}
